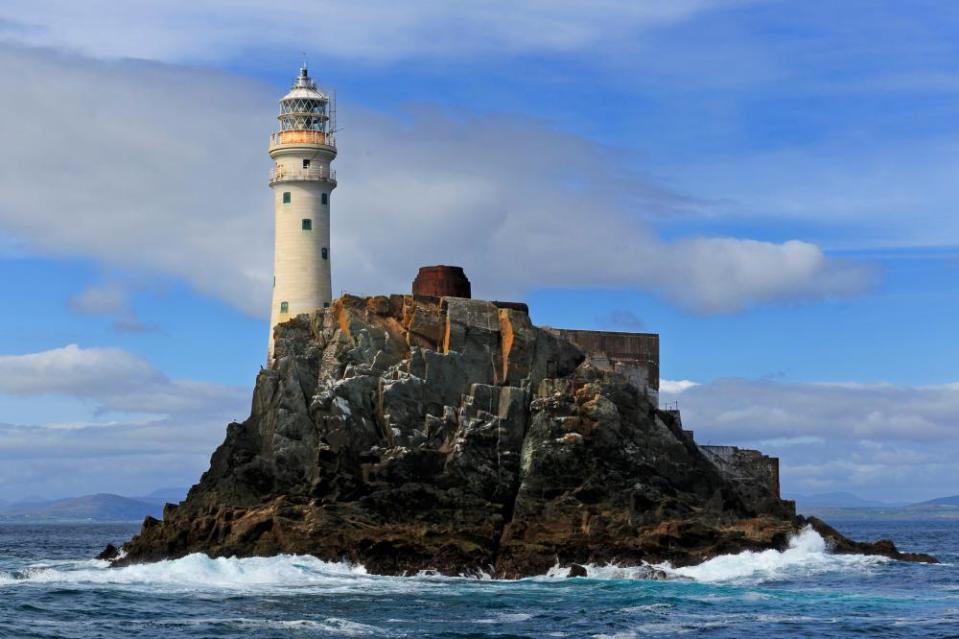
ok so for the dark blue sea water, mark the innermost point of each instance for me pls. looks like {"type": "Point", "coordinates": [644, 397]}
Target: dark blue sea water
{"type": "Point", "coordinates": [49, 587]}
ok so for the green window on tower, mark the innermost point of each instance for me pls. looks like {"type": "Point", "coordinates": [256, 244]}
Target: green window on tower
{"type": "Point", "coordinates": [307, 225]}
{"type": "Point", "coordinates": [286, 197]}
{"type": "Point", "coordinates": [325, 252]}
{"type": "Point", "coordinates": [284, 307]}
{"type": "Point", "coordinates": [324, 198]}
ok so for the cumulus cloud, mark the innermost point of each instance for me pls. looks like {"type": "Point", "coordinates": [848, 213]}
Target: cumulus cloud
{"type": "Point", "coordinates": [152, 430]}
{"type": "Point", "coordinates": [755, 410]}
{"type": "Point", "coordinates": [377, 30]}
{"type": "Point", "coordinates": [886, 441]}
{"type": "Point", "coordinates": [158, 174]}
{"type": "Point", "coordinates": [124, 457]}
{"type": "Point", "coordinates": [675, 387]}
{"type": "Point", "coordinates": [114, 380]}
{"type": "Point", "coordinates": [167, 173]}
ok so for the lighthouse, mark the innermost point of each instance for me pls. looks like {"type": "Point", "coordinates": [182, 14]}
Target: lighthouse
{"type": "Point", "coordinates": [302, 183]}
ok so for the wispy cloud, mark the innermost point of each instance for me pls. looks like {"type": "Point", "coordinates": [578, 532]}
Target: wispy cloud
{"type": "Point", "coordinates": [159, 431]}
{"type": "Point", "coordinates": [113, 379]}
{"type": "Point", "coordinates": [109, 300]}
{"type": "Point", "coordinates": [885, 440]}
{"type": "Point", "coordinates": [377, 30]}
{"type": "Point", "coordinates": [179, 190]}
{"type": "Point", "coordinates": [675, 387]}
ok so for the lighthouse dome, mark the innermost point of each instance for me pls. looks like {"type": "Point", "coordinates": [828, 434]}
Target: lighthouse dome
{"type": "Point", "coordinates": [304, 88]}
{"type": "Point", "coordinates": [305, 107]}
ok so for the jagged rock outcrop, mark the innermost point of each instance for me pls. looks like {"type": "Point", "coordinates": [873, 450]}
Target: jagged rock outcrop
{"type": "Point", "coordinates": [451, 434]}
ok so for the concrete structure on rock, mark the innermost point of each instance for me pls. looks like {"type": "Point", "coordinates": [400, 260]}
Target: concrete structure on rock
{"type": "Point", "coordinates": [634, 355]}
{"type": "Point", "coordinates": [442, 281]}
{"type": "Point", "coordinates": [302, 182]}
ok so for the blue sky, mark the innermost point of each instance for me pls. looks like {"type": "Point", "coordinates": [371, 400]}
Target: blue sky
{"type": "Point", "coordinates": [767, 184]}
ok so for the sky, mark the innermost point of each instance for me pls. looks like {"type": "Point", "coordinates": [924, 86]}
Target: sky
{"type": "Point", "coordinates": [767, 184]}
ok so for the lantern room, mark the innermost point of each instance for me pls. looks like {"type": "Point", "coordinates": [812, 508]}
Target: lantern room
{"type": "Point", "coordinates": [306, 114]}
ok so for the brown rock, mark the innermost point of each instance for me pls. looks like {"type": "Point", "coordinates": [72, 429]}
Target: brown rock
{"type": "Point", "coordinates": [410, 433]}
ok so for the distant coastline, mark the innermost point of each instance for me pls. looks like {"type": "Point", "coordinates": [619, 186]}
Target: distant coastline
{"type": "Point", "coordinates": [101, 507]}
{"type": "Point", "coordinates": [847, 506]}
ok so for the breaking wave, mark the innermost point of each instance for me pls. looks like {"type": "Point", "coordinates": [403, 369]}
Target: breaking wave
{"type": "Point", "coordinates": [197, 571]}
{"type": "Point", "coordinates": [807, 555]}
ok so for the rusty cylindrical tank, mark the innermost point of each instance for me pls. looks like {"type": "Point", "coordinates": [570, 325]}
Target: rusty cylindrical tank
{"type": "Point", "coordinates": [441, 281]}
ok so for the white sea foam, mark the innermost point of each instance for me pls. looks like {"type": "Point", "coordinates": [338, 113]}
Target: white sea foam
{"type": "Point", "coordinates": [331, 625]}
{"type": "Point", "coordinates": [654, 607]}
{"type": "Point", "coordinates": [197, 571]}
{"type": "Point", "coordinates": [596, 571]}
{"type": "Point", "coordinates": [806, 555]}
{"type": "Point", "coordinates": [505, 617]}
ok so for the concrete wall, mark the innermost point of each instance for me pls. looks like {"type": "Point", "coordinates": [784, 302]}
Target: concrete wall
{"type": "Point", "coordinates": [634, 355]}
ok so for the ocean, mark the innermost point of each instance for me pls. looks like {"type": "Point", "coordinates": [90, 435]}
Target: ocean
{"type": "Point", "coordinates": [50, 587]}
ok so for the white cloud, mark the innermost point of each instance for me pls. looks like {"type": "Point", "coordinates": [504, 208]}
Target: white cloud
{"type": "Point", "coordinates": [166, 172]}
{"type": "Point", "coordinates": [124, 457]}
{"type": "Point", "coordinates": [889, 442]}
{"type": "Point", "coordinates": [675, 387]}
{"type": "Point", "coordinates": [113, 379]}
{"type": "Point", "coordinates": [860, 187]}
{"type": "Point", "coordinates": [165, 169]}
{"type": "Point", "coordinates": [377, 30]}
{"type": "Point", "coordinates": [759, 410]}
{"type": "Point", "coordinates": [159, 431]}
{"type": "Point", "coordinates": [74, 371]}
{"type": "Point", "coordinates": [522, 206]}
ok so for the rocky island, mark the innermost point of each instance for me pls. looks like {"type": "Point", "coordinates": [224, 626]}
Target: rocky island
{"type": "Point", "coordinates": [411, 433]}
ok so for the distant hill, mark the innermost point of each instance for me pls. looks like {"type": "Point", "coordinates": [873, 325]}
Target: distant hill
{"type": "Point", "coordinates": [832, 506]}
{"type": "Point", "coordinates": [941, 501]}
{"type": "Point", "coordinates": [100, 507]}
{"type": "Point", "coordinates": [839, 500]}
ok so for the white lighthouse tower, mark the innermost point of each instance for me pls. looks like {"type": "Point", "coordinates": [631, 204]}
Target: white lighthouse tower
{"type": "Point", "coordinates": [302, 182]}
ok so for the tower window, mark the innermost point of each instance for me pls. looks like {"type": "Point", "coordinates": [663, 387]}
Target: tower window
{"type": "Point", "coordinates": [325, 252]}
{"type": "Point", "coordinates": [326, 304]}
{"type": "Point", "coordinates": [306, 164]}
{"type": "Point", "coordinates": [286, 197]}
{"type": "Point", "coordinates": [324, 199]}
{"type": "Point", "coordinates": [284, 307]}
{"type": "Point", "coordinates": [307, 225]}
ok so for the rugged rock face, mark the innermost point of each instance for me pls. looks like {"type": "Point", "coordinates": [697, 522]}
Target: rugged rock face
{"type": "Point", "coordinates": [417, 433]}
